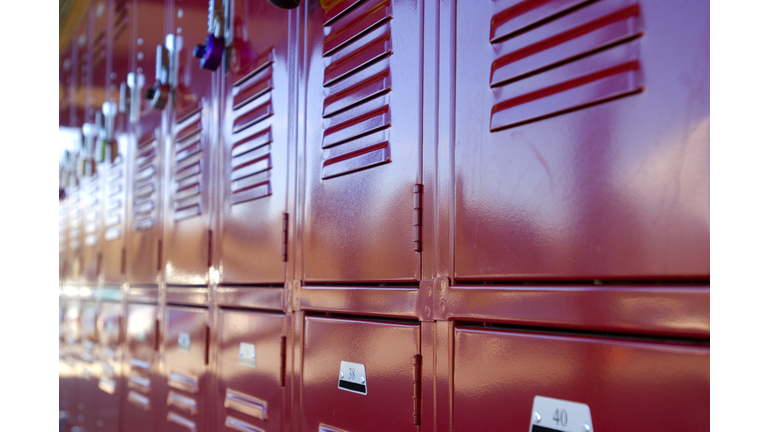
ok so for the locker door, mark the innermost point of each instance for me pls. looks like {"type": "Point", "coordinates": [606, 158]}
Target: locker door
{"type": "Point", "coordinates": [251, 371]}
{"type": "Point", "coordinates": [68, 374]}
{"type": "Point", "coordinates": [88, 369]}
{"type": "Point", "coordinates": [254, 155]}
{"type": "Point", "coordinates": [140, 404]}
{"type": "Point", "coordinates": [99, 45]}
{"type": "Point", "coordinates": [65, 86]}
{"type": "Point", "coordinates": [92, 231]}
{"type": "Point", "coordinates": [108, 401]}
{"type": "Point", "coordinates": [113, 246]}
{"type": "Point", "coordinates": [186, 367]}
{"type": "Point", "coordinates": [582, 140]}
{"type": "Point", "coordinates": [358, 375]}
{"type": "Point", "coordinates": [146, 148]}
{"type": "Point", "coordinates": [363, 146]}
{"type": "Point", "coordinates": [81, 72]}
{"type": "Point", "coordinates": [627, 385]}
{"type": "Point", "coordinates": [194, 121]}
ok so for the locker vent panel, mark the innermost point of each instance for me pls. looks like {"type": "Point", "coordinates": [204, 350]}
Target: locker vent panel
{"type": "Point", "coordinates": [145, 185]}
{"type": "Point", "coordinates": [92, 211]}
{"type": "Point", "coordinates": [357, 83]}
{"type": "Point", "coordinates": [115, 196]}
{"type": "Point", "coordinates": [120, 22]}
{"type": "Point", "coordinates": [554, 57]}
{"type": "Point", "coordinates": [250, 159]}
{"type": "Point", "coordinates": [188, 166]}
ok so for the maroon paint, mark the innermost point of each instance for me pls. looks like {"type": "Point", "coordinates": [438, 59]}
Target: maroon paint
{"type": "Point", "coordinates": [619, 189]}
{"type": "Point", "coordinates": [385, 348]}
{"type": "Point", "coordinates": [254, 154]}
{"type": "Point", "coordinates": [82, 72]}
{"type": "Point", "coordinates": [362, 149]}
{"type": "Point", "coordinates": [146, 153]}
{"type": "Point", "coordinates": [73, 258]}
{"type": "Point", "coordinates": [185, 369]}
{"type": "Point", "coordinates": [189, 167]}
{"type": "Point", "coordinates": [141, 397]}
{"type": "Point", "coordinates": [629, 385]}
{"type": "Point", "coordinates": [250, 395]}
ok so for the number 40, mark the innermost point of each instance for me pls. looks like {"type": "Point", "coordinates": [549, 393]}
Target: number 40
{"type": "Point", "coordinates": [561, 417]}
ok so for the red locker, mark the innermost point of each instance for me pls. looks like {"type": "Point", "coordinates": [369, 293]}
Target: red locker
{"type": "Point", "coordinates": [63, 223]}
{"type": "Point", "coordinates": [92, 230]}
{"type": "Point", "coordinates": [582, 140]}
{"type": "Point", "coordinates": [65, 86]}
{"type": "Point", "coordinates": [359, 375]}
{"type": "Point", "coordinates": [109, 332]}
{"type": "Point", "coordinates": [99, 46]}
{"type": "Point", "coordinates": [68, 370]}
{"type": "Point", "coordinates": [82, 71]}
{"type": "Point", "coordinates": [193, 129]}
{"type": "Point", "coordinates": [88, 380]}
{"type": "Point", "coordinates": [186, 370]}
{"type": "Point", "coordinates": [144, 240]}
{"type": "Point", "coordinates": [627, 384]}
{"type": "Point", "coordinates": [363, 146]}
{"type": "Point", "coordinates": [251, 390]}
{"type": "Point", "coordinates": [254, 154]}
{"type": "Point", "coordinates": [141, 404]}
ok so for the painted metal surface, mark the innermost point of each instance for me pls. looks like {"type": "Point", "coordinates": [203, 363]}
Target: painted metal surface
{"type": "Point", "coordinates": [189, 170]}
{"type": "Point", "coordinates": [185, 405]}
{"type": "Point", "coordinates": [385, 348]}
{"type": "Point", "coordinates": [251, 390]}
{"type": "Point", "coordinates": [256, 134]}
{"type": "Point", "coordinates": [92, 208]}
{"type": "Point", "coordinates": [141, 399]}
{"type": "Point", "coordinates": [627, 384]}
{"type": "Point", "coordinates": [147, 144]}
{"type": "Point", "coordinates": [114, 216]}
{"type": "Point", "coordinates": [582, 140]}
{"type": "Point", "coordinates": [362, 152]}
{"type": "Point", "coordinates": [73, 266]}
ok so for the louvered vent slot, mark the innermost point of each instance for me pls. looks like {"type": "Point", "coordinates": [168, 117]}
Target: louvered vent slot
{"type": "Point", "coordinates": [92, 212]}
{"type": "Point", "coordinates": [75, 222]}
{"type": "Point", "coordinates": [357, 83]}
{"type": "Point", "coordinates": [557, 56]}
{"type": "Point", "coordinates": [120, 23]}
{"type": "Point", "coordinates": [187, 166]}
{"type": "Point", "coordinates": [251, 161]}
{"type": "Point", "coordinates": [114, 211]}
{"type": "Point", "coordinates": [99, 53]}
{"type": "Point", "coordinates": [145, 191]}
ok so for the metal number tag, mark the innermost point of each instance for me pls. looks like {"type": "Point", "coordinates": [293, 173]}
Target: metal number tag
{"type": "Point", "coordinates": [247, 355]}
{"type": "Point", "coordinates": [555, 415]}
{"type": "Point", "coordinates": [352, 378]}
{"type": "Point", "coordinates": [184, 342]}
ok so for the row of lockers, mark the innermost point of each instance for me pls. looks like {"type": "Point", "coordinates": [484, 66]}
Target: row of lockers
{"type": "Point", "coordinates": [386, 142]}
{"type": "Point", "coordinates": [143, 367]}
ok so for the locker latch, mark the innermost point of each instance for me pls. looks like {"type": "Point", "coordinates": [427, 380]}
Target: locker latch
{"type": "Point", "coordinates": [158, 94]}
{"type": "Point", "coordinates": [107, 137]}
{"type": "Point", "coordinates": [135, 84]}
{"type": "Point", "coordinates": [212, 48]}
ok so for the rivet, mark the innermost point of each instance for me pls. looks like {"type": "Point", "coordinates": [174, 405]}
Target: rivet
{"type": "Point", "coordinates": [586, 427]}
{"type": "Point", "coordinates": [537, 417]}
{"type": "Point", "coordinates": [341, 375]}
{"type": "Point", "coordinates": [362, 379]}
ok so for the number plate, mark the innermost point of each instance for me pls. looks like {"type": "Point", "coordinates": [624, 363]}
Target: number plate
{"type": "Point", "coordinates": [555, 415]}
{"type": "Point", "coordinates": [247, 355]}
{"type": "Point", "coordinates": [352, 378]}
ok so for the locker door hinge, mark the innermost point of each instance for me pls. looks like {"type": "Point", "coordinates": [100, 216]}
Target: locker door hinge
{"type": "Point", "coordinates": [159, 255]}
{"type": "Point", "coordinates": [417, 193]}
{"type": "Point", "coordinates": [282, 361]}
{"type": "Point", "coordinates": [417, 389]}
{"type": "Point", "coordinates": [157, 335]}
{"type": "Point", "coordinates": [284, 249]}
{"type": "Point", "coordinates": [207, 343]}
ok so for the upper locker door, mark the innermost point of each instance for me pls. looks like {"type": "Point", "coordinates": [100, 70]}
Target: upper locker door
{"type": "Point", "coordinates": [363, 145]}
{"type": "Point", "coordinates": [146, 147]}
{"type": "Point", "coordinates": [254, 154]}
{"type": "Point", "coordinates": [582, 139]}
{"type": "Point", "coordinates": [193, 127]}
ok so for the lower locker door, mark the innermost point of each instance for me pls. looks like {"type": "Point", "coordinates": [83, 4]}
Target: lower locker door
{"type": "Point", "coordinates": [358, 375]}
{"type": "Point", "coordinates": [139, 404]}
{"type": "Point", "coordinates": [251, 366]}
{"type": "Point", "coordinates": [185, 360]}
{"type": "Point", "coordinates": [628, 386]}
